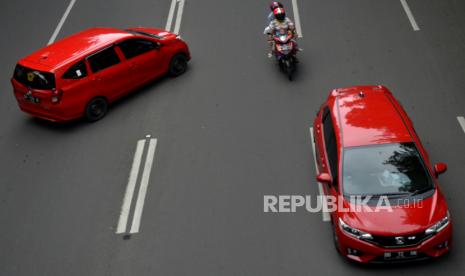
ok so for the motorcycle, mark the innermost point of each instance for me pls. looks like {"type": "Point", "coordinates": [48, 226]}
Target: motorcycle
{"type": "Point", "coordinates": [285, 51]}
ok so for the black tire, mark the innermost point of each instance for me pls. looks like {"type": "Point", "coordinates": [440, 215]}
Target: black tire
{"type": "Point", "coordinates": [178, 65]}
{"type": "Point", "coordinates": [96, 109]}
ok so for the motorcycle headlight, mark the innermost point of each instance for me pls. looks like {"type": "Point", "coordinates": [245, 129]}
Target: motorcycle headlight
{"type": "Point", "coordinates": [438, 226]}
{"type": "Point", "coordinates": [354, 232]}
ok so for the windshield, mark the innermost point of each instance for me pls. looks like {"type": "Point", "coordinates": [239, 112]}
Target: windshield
{"type": "Point", "coordinates": [34, 79]}
{"type": "Point", "coordinates": [384, 170]}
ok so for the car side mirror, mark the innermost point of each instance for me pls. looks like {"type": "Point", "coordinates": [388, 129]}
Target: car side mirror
{"type": "Point", "coordinates": [440, 168]}
{"type": "Point", "coordinates": [159, 45]}
{"type": "Point", "coordinates": [324, 178]}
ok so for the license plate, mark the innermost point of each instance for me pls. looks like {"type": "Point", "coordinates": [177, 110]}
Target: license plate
{"type": "Point", "coordinates": [31, 98]}
{"type": "Point", "coordinates": [400, 255]}
{"type": "Point", "coordinates": [285, 47]}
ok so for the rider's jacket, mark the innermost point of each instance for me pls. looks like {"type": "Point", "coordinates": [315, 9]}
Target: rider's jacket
{"type": "Point", "coordinates": [277, 27]}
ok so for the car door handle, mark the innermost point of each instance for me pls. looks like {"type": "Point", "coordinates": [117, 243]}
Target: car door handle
{"type": "Point", "coordinates": [96, 79]}
{"type": "Point", "coordinates": [133, 66]}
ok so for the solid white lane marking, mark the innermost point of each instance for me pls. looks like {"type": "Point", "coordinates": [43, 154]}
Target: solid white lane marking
{"type": "Point", "coordinates": [461, 122]}
{"type": "Point", "coordinates": [62, 21]}
{"type": "Point", "coordinates": [322, 197]}
{"type": "Point", "coordinates": [410, 15]}
{"type": "Point", "coordinates": [169, 21]}
{"type": "Point", "coordinates": [295, 8]}
{"type": "Point", "coordinates": [125, 208]}
{"type": "Point", "coordinates": [177, 26]}
{"type": "Point", "coordinates": [143, 187]}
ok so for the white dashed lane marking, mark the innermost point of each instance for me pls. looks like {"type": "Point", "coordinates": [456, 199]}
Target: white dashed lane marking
{"type": "Point", "coordinates": [62, 21]}
{"type": "Point", "coordinates": [410, 15]}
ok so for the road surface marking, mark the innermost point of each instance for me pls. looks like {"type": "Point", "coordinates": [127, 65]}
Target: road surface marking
{"type": "Point", "coordinates": [295, 7]}
{"type": "Point", "coordinates": [461, 120]}
{"type": "Point", "coordinates": [177, 23]}
{"type": "Point", "coordinates": [410, 15]}
{"type": "Point", "coordinates": [325, 214]}
{"type": "Point", "coordinates": [125, 208]}
{"type": "Point", "coordinates": [169, 21]}
{"type": "Point", "coordinates": [143, 187]}
{"type": "Point", "coordinates": [177, 26]}
{"type": "Point", "coordinates": [62, 21]}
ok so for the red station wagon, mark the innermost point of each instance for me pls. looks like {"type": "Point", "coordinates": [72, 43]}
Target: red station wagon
{"type": "Point", "coordinates": [83, 73]}
{"type": "Point", "coordinates": [366, 147]}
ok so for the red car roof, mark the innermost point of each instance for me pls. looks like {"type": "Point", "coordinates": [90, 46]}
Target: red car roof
{"type": "Point", "coordinates": [368, 115]}
{"type": "Point", "coordinates": [73, 47]}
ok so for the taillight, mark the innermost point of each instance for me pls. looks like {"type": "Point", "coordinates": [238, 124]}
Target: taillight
{"type": "Point", "coordinates": [56, 96]}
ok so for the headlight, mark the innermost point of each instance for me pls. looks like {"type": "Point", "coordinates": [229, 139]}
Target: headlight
{"type": "Point", "coordinates": [438, 226]}
{"type": "Point", "coordinates": [354, 232]}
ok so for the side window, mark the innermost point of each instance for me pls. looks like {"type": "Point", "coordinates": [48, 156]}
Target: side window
{"type": "Point", "coordinates": [77, 71]}
{"type": "Point", "coordinates": [103, 59]}
{"type": "Point", "coordinates": [135, 47]}
{"type": "Point", "coordinates": [330, 145]}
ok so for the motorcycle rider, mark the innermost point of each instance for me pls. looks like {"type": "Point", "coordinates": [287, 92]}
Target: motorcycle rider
{"type": "Point", "coordinates": [273, 6]}
{"type": "Point", "coordinates": [277, 25]}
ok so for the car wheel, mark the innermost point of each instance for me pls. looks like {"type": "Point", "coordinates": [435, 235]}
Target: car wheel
{"type": "Point", "coordinates": [178, 65]}
{"type": "Point", "coordinates": [96, 109]}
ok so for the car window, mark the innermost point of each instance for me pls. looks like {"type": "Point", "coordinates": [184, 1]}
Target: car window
{"type": "Point", "coordinates": [77, 71]}
{"type": "Point", "coordinates": [384, 170]}
{"type": "Point", "coordinates": [33, 78]}
{"type": "Point", "coordinates": [330, 145]}
{"type": "Point", "coordinates": [103, 59]}
{"type": "Point", "coordinates": [135, 47]}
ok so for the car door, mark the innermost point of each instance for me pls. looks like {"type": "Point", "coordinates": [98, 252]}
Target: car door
{"type": "Point", "coordinates": [328, 152]}
{"type": "Point", "coordinates": [77, 88]}
{"type": "Point", "coordinates": [109, 73]}
{"type": "Point", "coordinates": [143, 57]}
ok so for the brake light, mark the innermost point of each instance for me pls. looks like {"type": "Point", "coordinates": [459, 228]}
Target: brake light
{"type": "Point", "coordinates": [56, 96]}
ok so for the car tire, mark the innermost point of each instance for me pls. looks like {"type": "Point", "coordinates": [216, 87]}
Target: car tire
{"type": "Point", "coordinates": [96, 109]}
{"type": "Point", "coordinates": [178, 65]}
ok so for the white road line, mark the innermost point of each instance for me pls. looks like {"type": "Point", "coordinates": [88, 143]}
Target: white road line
{"type": "Point", "coordinates": [62, 21]}
{"type": "Point", "coordinates": [325, 214]}
{"type": "Point", "coordinates": [410, 15]}
{"type": "Point", "coordinates": [143, 186]}
{"type": "Point", "coordinates": [125, 208]}
{"type": "Point", "coordinates": [295, 7]}
{"type": "Point", "coordinates": [169, 21]}
{"type": "Point", "coordinates": [177, 26]}
{"type": "Point", "coordinates": [461, 120]}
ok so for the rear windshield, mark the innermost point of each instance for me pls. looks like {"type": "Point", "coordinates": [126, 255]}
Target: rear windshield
{"type": "Point", "coordinates": [33, 78]}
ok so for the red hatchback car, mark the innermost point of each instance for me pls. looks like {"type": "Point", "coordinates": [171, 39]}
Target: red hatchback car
{"type": "Point", "coordinates": [83, 73]}
{"type": "Point", "coordinates": [366, 148]}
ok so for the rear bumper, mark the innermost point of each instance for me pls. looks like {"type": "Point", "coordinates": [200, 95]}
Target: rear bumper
{"type": "Point", "coordinates": [46, 112]}
{"type": "Point", "coordinates": [433, 247]}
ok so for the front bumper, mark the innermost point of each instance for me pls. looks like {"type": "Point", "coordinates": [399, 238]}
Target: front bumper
{"type": "Point", "coordinates": [367, 252]}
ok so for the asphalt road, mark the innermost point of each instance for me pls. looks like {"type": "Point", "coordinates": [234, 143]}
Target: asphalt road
{"type": "Point", "coordinates": [229, 131]}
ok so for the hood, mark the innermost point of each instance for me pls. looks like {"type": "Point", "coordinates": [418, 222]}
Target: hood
{"type": "Point", "coordinates": [401, 219]}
